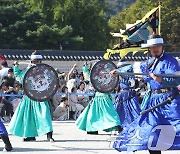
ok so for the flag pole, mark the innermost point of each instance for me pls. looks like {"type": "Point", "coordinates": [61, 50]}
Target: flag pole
{"type": "Point", "coordinates": [159, 27]}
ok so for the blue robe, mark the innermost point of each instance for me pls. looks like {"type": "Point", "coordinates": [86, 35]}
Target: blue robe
{"type": "Point", "coordinates": [3, 130]}
{"type": "Point", "coordinates": [160, 128]}
{"type": "Point", "coordinates": [128, 110]}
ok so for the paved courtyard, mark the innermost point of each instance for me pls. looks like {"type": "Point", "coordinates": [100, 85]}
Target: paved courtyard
{"type": "Point", "coordinates": [69, 139]}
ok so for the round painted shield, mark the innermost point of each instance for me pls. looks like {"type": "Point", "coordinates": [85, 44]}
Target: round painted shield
{"type": "Point", "coordinates": [40, 82]}
{"type": "Point", "coordinates": [101, 80]}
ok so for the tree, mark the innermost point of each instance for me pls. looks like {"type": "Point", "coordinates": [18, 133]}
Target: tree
{"type": "Point", "coordinates": [15, 21]}
{"type": "Point", "coordinates": [88, 19]}
{"type": "Point", "coordinates": [51, 37]}
{"type": "Point", "coordinates": [115, 6]}
{"type": "Point", "coordinates": [22, 27]}
{"type": "Point", "coordinates": [46, 7]}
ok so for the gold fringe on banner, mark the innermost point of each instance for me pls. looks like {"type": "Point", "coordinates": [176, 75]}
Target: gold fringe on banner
{"type": "Point", "coordinates": [123, 52]}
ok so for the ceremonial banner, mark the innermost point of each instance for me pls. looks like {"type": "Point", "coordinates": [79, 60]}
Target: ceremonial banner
{"type": "Point", "coordinates": [136, 34]}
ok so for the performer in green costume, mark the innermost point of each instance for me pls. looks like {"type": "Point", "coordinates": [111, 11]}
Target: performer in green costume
{"type": "Point", "coordinates": [31, 118]}
{"type": "Point", "coordinates": [99, 115]}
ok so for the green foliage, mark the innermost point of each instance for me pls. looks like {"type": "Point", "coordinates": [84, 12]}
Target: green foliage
{"type": "Point", "coordinates": [22, 27]}
{"type": "Point", "coordinates": [51, 36]}
{"type": "Point", "coordinates": [78, 24]}
{"type": "Point", "coordinates": [115, 6]}
{"type": "Point", "coordinates": [15, 21]}
{"type": "Point", "coordinates": [45, 24]}
{"type": "Point", "coordinates": [87, 19]}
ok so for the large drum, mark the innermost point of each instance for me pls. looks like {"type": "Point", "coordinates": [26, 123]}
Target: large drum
{"type": "Point", "coordinates": [40, 82]}
{"type": "Point", "coordinates": [100, 78]}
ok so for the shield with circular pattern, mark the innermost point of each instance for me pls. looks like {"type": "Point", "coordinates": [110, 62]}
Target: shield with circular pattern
{"type": "Point", "coordinates": [101, 80]}
{"type": "Point", "coordinates": [40, 82]}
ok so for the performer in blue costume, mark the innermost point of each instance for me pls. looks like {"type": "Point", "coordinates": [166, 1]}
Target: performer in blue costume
{"type": "Point", "coordinates": [99, 115]}
{"type": "Point", "coordinates": [159, 129]}
{"type": "Point", "coordinates": [127, 103]}
{"type": "Point", "coordinates": [31, 118]}
{"type": "Point", "coordinates": [5, 138]}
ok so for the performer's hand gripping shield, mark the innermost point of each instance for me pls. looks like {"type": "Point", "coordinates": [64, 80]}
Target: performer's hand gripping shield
{"type": "Point", "coordinates": [40, 82]}
{"type": "Point", "coordinates": [100, 78]}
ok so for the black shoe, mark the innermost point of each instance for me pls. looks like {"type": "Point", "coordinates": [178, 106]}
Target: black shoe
{"type": "Point", "coordinates": [119, 129]}
{"type": "Point", "coordinates": [8, 146]}
{"type": "Point", "coordinates": [49, 137]}
{"type": "Point", "coordinates": [93, 133]}
{"type": "Point", "coordinates": [154, 152]}
{"type": "Point", "coordinates": [29, 139]}
{"type": "Point", "coordinates": [50, 140]}
{"type": "Point", "coordinates": [6, 149]}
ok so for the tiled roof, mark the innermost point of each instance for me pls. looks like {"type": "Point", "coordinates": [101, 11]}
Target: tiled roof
{"type": "Point", "coordinates": [64, 55]}
{"type": "Point", "coordinates": [53, 55]}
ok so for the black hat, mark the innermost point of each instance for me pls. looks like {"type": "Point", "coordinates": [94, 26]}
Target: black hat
{"type": "Point", "coordinates": [10, 70]}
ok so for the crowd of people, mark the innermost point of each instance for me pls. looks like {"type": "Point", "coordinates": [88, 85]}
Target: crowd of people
{"type": "Point", "coordinates": [9, 85]}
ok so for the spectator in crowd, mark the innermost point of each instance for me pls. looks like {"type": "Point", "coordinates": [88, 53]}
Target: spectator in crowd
{"type": "Point", "coordinates": [61, 112]}
{"type": "Point", "coordinates": [7, 89]}
{"type": "Point", "coordinates": [82, 98]}
{"type": "Point", "coordinates": [56, 99]}
{"type": "Point", "coordinates": [75, 104]}
{"type": "Point", "coordinates": [6, 110]}
{"type": "Point", "coordinates": [4, 86]}
{"type": "Point", "coordinates": [14, 100]}
{"type": "Point", "coordinates": [11, 91]}
{"type": "Point", "coordinates": [10, 77]}
{"type": "Point", "coordinates": [62, 77]}
{"type": "Point", "coordinates": [74, 72]}
{"type": "Point", "coordinates": [18, 88]}
{"type": "Point", "coordinates": [81, 78]}
{"type": "Point", "coordinates": [89, 88]}
{"type": "Point", "coordinates": [72, 82]}
{"type": "Point", "coordinates": [4, 69]}
{"type": "Point", "coordinates": [64, 90]}
{"type": "Point", "coordinates": [6, 106]}
{"type": "Point", "coordinates": [86, 72]}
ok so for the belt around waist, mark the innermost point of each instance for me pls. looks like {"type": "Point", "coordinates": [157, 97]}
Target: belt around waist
{"type": "Point", "coordinates": [127, 89]}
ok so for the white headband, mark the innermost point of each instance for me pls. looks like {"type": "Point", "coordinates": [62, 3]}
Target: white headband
{"type": "Point", "coordinates": [155, 41]}
{"type": "Point", "coordinates": [34, 57]}
{"type": "Point", "coordinates": [152, 42]}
